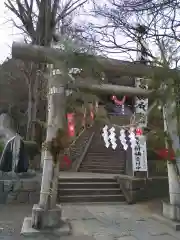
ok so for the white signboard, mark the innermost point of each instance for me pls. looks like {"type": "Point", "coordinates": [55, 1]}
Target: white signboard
{"type": "Point", "coordinates": [139, 155]}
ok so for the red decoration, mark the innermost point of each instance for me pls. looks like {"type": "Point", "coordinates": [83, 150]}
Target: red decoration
{"type": "Point", "coordinates": [71, 124]}
{"type": "Point", "coordinates": [166, 154]}
{"type": "Point", "coordinates": [118, 102]}
{"type": "Point", "coordinates": [65, 162]}
{"type": "Point", "coordinates": [139, 131]}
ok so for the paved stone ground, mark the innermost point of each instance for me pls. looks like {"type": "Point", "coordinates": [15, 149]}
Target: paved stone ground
{"type": "Point", "coordinates": [117, 221]}
{"type": "Point", "coordinates": [101, 221]}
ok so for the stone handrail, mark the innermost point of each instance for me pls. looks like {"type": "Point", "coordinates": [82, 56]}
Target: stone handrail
{"type": "Point", "coordinates": [127, 194]}
{"type": "Point", "coordinates": [77, 163]}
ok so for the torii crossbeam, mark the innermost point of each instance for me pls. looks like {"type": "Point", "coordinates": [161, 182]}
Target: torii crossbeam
{"type": "Point", "coordinates": [51, 55]}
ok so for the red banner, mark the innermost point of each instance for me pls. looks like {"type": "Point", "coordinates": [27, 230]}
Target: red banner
{"type": "Point", "coordinates": [71, 124]}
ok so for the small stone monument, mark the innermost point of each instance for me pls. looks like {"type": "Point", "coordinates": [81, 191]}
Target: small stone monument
{"type": "Point", "coordinates": [13, 157]}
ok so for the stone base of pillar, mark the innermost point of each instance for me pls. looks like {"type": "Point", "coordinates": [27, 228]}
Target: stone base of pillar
{"type": "Point", "coordinates": [171, 211]}
{"type": "Point", "coordinates": [45, 223]}
{"type": "Point", "coordinates": [170, 215]}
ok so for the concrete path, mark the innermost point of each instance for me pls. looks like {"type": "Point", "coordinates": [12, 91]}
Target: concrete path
{"type": "Point", "coordinates": [96, 221]}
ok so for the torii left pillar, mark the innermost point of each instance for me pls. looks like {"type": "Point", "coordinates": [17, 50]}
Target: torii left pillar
{"type": "Point", "coordinates": [46, 220]}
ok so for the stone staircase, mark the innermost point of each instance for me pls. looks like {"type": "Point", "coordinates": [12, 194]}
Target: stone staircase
{"type": "Point", "coordinates": [100, 159]}
{"type": "Point", "coordinates": [94, 180]}
{"type": "Point", "coordinates": [89, 189]}
{"type": "Point", "coordinates": [77, 148]}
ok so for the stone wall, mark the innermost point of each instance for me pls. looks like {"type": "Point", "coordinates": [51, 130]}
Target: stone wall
{"type": "Point", "coordinates": [20, 190]}
{"type": "Point", "coordinates": [140, 189]}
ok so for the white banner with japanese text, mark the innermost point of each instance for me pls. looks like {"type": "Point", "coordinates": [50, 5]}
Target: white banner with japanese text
{"type": "Point", "coordinates": [139, 155]}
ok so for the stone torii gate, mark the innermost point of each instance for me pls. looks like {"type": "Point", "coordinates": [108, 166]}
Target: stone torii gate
{"type": "Point", "coordinates": [48, 216]}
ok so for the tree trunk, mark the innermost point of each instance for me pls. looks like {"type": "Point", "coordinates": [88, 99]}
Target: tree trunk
{"type": "Point", "coordinates": [29, 117]}
{"type": "Point", "coordinates": [32, 109]}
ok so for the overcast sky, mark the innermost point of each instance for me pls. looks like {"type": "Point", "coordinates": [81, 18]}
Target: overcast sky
{"type": "Point", "coordinates": [8, 33]}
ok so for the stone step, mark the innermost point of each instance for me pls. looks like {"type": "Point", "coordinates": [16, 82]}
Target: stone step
{"type": "Point", "coordinates": [102, 166]}
{"type": "Point", "coordinates": [105, 157]}
{"type": "Point", "coordinates": [88, 180]}
{"type": "Point", "coordinates": [82, 185]}
{"type": "Point", "coordinates": [74, 151]}
{"type": "Point", "coordinates": [112, 171]}
{"type": "Point", "coordinates": [91, 198]}
{"type": "Point", "coordinates": [96, 150]}
{"type": "Point", "coordinates": [103, 160]}
{"type": "Point", "coordinates": [101, 163]}
{"type": "Point", "coordinates": [100, 144]}
{"type": "Point", "coordinates": [89, 191]}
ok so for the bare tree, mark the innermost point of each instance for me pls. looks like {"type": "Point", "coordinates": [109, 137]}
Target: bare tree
{"type": "Point", "coordinates": [39, 20]}
{"type": "Point", "coordinates": [115, 30]}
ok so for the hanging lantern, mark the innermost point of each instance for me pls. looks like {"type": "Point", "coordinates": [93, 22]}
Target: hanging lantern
{"type": "Point", "coordinates": [71, 124]}
{"type": "Point", "coordinates": [139, 132]}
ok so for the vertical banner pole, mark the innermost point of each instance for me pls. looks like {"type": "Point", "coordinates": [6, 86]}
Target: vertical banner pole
{"type": "Point", "coordinates": [141, 107]}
